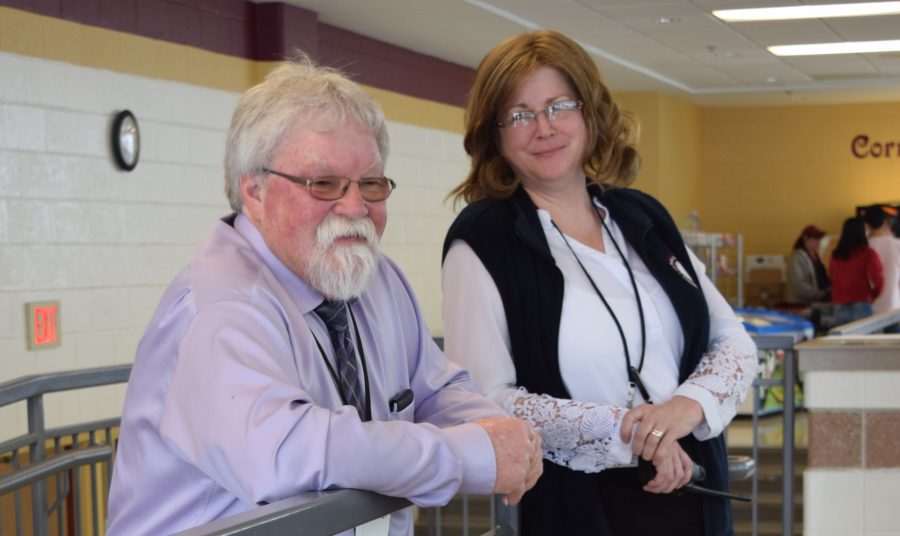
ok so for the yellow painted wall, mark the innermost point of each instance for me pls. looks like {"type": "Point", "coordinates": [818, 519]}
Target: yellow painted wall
{"type": "Point", "coordinates": [38, 36]}
{"type": "Point", "coordinates": [670, 150]}
{"type": "Point", "coordinates": [769, 171]}
{"type": "Point", "coordinates": [645, 106]}
{"type": "Point", "coordinates": [680, 170]}
{"type": "Point", "coordinates": [765, 172]}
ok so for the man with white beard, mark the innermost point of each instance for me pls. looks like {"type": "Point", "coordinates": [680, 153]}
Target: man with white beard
{"type": "Point", "coordinates": [290, 355]}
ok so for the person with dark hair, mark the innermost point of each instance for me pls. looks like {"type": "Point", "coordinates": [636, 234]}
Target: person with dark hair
{"type": "Point", "coordinates": [856, 274]}
{"type": "Point", "coordinates": [807, 280]}
{"type": "Point", "coordinates": [887, 246]}
{"type": "Point", "coordinates": [574, 302]}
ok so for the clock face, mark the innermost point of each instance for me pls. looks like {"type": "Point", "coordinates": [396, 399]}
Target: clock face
{"type": "Point", "coordinates": [126, 140]}
{"type": "Point", "coordinates": [129, 139]}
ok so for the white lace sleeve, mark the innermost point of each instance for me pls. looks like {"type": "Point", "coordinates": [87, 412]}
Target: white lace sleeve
{"type": "Point", "coordinates": [582, 436]}
{"type": "Point", "coordinates": [725, 372]}
{"type": "Point", "coordinates": [721, 379]}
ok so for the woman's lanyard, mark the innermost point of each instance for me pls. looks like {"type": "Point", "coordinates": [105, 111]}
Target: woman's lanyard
{"type": "Point", "coordinates": [362, 358]}
{"type": "Point", "coordinates": [634, 374]}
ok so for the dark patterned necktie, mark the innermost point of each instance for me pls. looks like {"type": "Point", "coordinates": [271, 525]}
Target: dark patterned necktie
{"type": "Point", "coordinates": [334, 314]}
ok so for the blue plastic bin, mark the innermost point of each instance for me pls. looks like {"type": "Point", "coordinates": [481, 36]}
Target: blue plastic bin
{"type": "Point", "coordinates": [769, 322]}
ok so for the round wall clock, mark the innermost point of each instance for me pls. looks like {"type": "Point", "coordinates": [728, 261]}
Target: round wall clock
{"type": "Point", "coordinates": [126, 140]}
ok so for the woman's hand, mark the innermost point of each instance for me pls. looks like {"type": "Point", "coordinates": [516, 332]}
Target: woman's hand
{"type": "Point", "coordinates": [655, 428]}
{"type": "Point", "coordinates": [673, 470]}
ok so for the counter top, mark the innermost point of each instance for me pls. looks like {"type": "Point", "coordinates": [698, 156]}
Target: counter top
{"type": "Point", "coordinates": [850, 352]}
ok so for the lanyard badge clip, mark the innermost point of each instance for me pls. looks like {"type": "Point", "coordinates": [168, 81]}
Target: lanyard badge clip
{"type": "Point", "coordinates": [635, 381]}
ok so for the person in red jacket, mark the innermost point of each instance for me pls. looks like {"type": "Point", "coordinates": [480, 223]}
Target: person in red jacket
{"type": "Point", "coordinates": [857, 276]}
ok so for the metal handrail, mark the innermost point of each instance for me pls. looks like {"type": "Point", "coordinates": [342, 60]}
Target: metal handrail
{"type": "Point", "coordinates": [868, 325]}
{"type": "Point", "coordinates": [41, 384]}
{"type": "Point", "coordinates": [319, 513]}
{"type": "Point", "coordinates": [324, 513]}
{"type": "Point", "coordinates": [32, 389]}
{"type": "Point", "coordinates": [306, 514]}
{"type": "Point", "coordinates": [504, 519]}
{"type": "Point", "coordinates": [72, 429]}
{"type": "Point", "coordinates": [54, 465]}
{"type": "Point", "coordinates": [25, 440]}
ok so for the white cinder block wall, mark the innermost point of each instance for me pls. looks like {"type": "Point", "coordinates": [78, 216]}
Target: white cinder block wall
{"type": "Point", "coordinates": [105, 243]}
{"type": "Point", "coordinates": [427, 164]}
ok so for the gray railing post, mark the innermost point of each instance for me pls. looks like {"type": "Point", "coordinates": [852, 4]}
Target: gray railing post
{"type": "Point", "coordinates": [787, 515]}
{"type": "Point", "coordinates": [35, 455]}
{"type": "Point", "coordinates": [754, 489]}
{"type": "Point", "coordinates": [786, 344]}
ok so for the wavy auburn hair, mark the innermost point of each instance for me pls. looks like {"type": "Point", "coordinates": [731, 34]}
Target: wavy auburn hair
{"type": "Point", "coordinates": [611, 158]}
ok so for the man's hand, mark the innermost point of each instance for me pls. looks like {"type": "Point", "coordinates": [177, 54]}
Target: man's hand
{"type": "Point", "coordinates": [517, 450]}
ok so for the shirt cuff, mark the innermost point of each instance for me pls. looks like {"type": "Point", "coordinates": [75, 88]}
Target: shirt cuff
{"type": "Point", "coordinates": [619, 451]}
{"type": "Point", "coordinates": [472, 445]}
{"type": "Point", "coordinates": [711, 425]}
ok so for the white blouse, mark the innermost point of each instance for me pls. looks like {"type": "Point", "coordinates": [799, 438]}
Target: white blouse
{"type": "Point", "coordinates": [583, 433]}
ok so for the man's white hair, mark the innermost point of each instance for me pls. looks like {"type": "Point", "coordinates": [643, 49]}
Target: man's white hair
{"type": "Point", "coordinates": [297, 90]}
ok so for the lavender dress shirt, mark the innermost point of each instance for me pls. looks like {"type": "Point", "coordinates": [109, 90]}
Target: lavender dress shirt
{"type": "Point", "coordinates": [230, 402]}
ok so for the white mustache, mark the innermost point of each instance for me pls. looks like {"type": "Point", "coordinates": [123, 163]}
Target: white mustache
{"type": "Point", "coordinates": [334, 227]}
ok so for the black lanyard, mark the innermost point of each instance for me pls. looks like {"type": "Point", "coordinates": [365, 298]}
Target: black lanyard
{"type": "Point", "coordinates": [362, 358]}
{"type": "Point", "coordinates": [634, 374]}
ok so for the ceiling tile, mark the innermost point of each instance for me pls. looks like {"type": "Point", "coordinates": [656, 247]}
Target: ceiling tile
{"type": "Point", "coordinates": [866, 28]}
{"type": "Point", "coordinates": [842, 64]}
{"type": "Point", "coordinates": [696, 55]}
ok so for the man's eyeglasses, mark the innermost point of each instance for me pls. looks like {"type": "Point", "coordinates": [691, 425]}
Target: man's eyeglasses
{"type": "Point", "coordinates": [328, 188]}
{"type": "Point", "coordinates": [556, 111]}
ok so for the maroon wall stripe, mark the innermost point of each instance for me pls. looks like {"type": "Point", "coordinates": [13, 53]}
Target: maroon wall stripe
{"type": "Point", "coordinates": [265, 32]}
{"type": "Point", "coordinates": [119, 15]}
{"type": "Point", "coordinates": [281, 28]}
{"type": "Point", "coordinates": [386, 66]}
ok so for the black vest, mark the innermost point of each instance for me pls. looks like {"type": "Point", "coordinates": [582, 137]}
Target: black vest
{"type": "Point", "coordinates": [507, 237]}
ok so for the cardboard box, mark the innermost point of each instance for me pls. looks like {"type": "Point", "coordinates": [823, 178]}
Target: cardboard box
{"type": "Point", "coordinates": [765, 261]}
{"type": "Point", "coordinates": [764, 276]}
{"type": "Point", "coordinates": [763, 295]}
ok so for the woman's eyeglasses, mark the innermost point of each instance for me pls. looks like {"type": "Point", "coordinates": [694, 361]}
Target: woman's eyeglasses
{"type": "Point", "coordinates": [555, 112]}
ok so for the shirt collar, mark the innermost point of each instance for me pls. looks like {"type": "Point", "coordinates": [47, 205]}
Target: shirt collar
{"type": "Point", "coordinates": [305, 297]}
{"type": "Point", "coordinates": [547, 224]}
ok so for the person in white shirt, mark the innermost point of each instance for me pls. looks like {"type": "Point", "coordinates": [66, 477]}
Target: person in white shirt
{"type": "Point", "coordinates": [887, 246]}
{"type": "Point", "coordinates": [574, 302]}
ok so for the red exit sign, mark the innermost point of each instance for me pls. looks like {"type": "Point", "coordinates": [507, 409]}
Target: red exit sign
{"type": "Point", "coordinates": [43, 324]}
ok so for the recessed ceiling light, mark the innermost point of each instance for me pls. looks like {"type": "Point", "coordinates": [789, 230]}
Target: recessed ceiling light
{"type": "Point", "coordinates": [808, 12]}
{"type": "Point", "coordinates": [666, 20]}
{"type": "Point", "coordinates": [853, 47]}
{"type": "Point", "coordinates": [770, 80]}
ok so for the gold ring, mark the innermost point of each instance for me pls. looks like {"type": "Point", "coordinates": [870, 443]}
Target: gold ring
{"type": "Point", "coordinates": [657, 433]}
